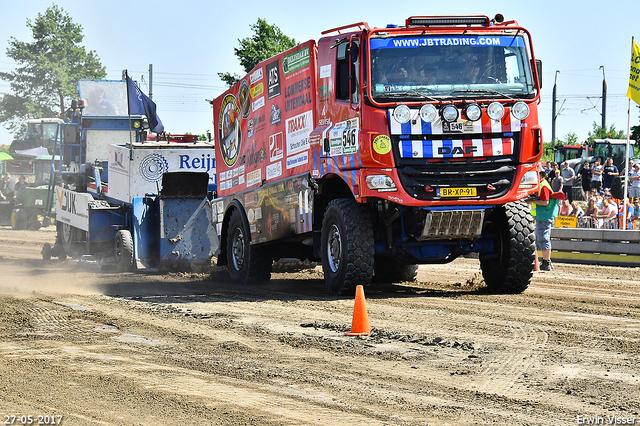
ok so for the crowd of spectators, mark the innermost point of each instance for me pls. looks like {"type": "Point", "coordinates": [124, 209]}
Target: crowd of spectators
{"type": "Point", "coordinates": [600, 209]}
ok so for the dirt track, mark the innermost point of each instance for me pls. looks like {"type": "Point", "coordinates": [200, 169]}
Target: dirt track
{"type": "Point", "coordinates": [103, 348]}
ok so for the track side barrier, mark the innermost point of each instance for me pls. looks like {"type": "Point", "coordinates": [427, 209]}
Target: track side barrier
{"type": "Point", "coordinates": [611, 247]}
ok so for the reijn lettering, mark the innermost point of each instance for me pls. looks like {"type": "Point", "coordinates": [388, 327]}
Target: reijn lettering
{"type": "Point", "coordinates": [204, 163]}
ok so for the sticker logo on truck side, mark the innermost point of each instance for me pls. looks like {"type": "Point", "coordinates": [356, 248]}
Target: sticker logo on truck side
{"type": "Point", "coordinates": [229, 132]}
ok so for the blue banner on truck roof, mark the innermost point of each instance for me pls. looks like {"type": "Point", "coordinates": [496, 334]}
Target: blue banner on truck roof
{"type": "Point", "coordinates": [474, 41]}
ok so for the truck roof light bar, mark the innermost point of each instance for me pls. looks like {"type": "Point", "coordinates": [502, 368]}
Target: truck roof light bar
{"type": "Point", "coordinates": [433, 21]}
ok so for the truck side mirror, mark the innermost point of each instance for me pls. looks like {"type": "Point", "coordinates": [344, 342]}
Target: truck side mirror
{"type": "Point", "coordinates": [539, 68]}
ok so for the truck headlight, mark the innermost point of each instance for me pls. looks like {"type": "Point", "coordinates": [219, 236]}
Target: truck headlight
{"type": "Point", "coordinates": [450, 113]}
{"type": "Point", "coordinates": [428, 113]}
{"type": "Point", "coordinates": [520, 110]}
{"type": "Point", "coordinates": [402, 114]}
{"type": "Point", "coordinates": [529, 180]}
{"type": "Point", "coordinates": [380, 182]}
{"type": "Point", "coordinates": [495, 111]}
{"type": "Point", "coordinates": [473, 112]}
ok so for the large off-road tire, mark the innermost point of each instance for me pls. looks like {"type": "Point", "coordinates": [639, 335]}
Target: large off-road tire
{"type": "Point", "coordinates": [246, 263]}
{"type": "Point", "coordinates": [124, 251]}
{"type": "Point", "coordinates": [347, 246]}
{"type": "Point", "coordinates": [391, 270]}
{"type": "Point", "coordinates": [19, 219]}
{"type": "Point", "coordinates": [514, 230]}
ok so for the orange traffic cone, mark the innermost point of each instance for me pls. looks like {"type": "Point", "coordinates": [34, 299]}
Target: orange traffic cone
{"type": "Point", "coordinates": [360, 324]}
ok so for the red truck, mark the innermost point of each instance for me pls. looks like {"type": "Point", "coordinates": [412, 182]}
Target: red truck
{"type": "Point", "coordinates": [374, 150]}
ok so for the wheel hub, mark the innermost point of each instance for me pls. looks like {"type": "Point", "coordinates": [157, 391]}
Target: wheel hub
{"type": "Point", "coordinates": [238, 249]}
{"type": "Point", "coordinates": [334, 248]}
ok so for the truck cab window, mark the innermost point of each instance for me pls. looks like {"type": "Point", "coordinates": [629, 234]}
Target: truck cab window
{"type": "Point", "coordinates": [347, 66]}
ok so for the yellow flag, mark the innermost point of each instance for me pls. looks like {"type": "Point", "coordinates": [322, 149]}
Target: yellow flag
{"type": "Point", "coordinates": [634, 76]}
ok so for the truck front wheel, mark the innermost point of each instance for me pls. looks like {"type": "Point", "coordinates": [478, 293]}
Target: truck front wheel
{"type": "Point", "coordinates": [347, 248]}
{"type": "Point", "coordinates": [511, 268]}
{"type": "Point", "coordinates": [246, 263]}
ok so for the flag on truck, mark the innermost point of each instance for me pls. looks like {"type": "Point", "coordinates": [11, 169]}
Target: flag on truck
{"type": "Point", "coordinates": [141, 104]}
{"type": "Point", "coordinates": [634, 75]}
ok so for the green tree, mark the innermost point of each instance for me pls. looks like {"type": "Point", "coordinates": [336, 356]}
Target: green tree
{"type": "Point", "coordinates": [267, 40]}
{"type": "Point", "coordinates": [48, 69]}
{"type": "Point", "coordinates": [600, 132]}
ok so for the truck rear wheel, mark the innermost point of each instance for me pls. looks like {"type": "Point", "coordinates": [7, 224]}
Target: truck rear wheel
{"type": "Point", "coordinates": [246, 263]}
{"type": "Point", "coordinates": [347, 248]}
{"type": "Point", "coordinates": [391, 270]}
{"type": "Point", "coordinates": [124, 251]}
{"type": "Point", "coordinates": [514, 229]}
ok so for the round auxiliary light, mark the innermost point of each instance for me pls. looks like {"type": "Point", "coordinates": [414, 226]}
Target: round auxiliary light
{"type": "Point", "coordinates": [402, 114]}
{"type": "Point", "coordinates": [428, 113]}
{"type": "Point", "coordinates": [520, 110]}
{"type": "Point", "coordinates": [450, 113]}
{"type": "Point", "coordinates": [473, 112]}
{"type": "Point", "coordinates": [495, 111]}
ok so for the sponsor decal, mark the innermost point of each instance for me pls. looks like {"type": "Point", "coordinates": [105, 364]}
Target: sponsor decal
{"type": "Point", "coordinates": [276, 147]}
{"type": "Point", "coordinates": [152, 167]}
{"type": "Point", "coordinates": [298, 129]}
{"type": "Point", "coordinates": [255, 76]}
{"type": "Point", "coordinates": [325, 71]}
{"type": "Point", "coordinates": [276, 115]}
{"type": "Point", "coordinates": [297, 160]}
{"type": "Point", "coordinates": [324, 93]}
{"type": "Point", "coordinates": [259, 103]}
{"type": "Point", "coordinates": [229, 133]}
{"type": "Point", "coordinates": [295, 61]}
{"type": "Point", "coordinates": [343, 138]}
{"type": "Point", "coordinates": [243, 98]}
{"type": "Point", "coordinates": [256, 90]}
{"type": "Point", "coordinates": [254, 157]}
{"type": "Point", "coordinates": [273, 79]}
{"type": "Point", "coordinates": [297, 94]}
{"type": "Point", "coordinates": [254, 177]}
{"type": "Point", "coordinates": [274, 170]}
{"type": "Point", "coordinates": [382, 144]}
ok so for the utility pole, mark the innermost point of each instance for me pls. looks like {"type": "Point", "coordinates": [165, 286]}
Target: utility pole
{"type": "Point", "coordinates": [604, 99]}
{"type": "Point", "coordinates": [151, 81]}
{"type": "Point", "coordinates": [553, 110]}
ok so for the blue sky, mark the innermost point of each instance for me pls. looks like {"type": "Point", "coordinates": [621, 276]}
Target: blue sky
{"type": "Point", "coordinates": [189, 42]}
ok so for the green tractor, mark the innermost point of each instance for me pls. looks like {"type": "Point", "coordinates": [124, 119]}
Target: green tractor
{"type": "Point", "coordinates": [30, 209]}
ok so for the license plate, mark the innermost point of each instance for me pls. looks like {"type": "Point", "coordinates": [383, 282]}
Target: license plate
{"type": "Point", "coordinates": [457, 192]}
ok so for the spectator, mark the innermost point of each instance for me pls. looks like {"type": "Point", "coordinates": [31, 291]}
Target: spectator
{"type": "Point", "coordinates": [576, 210]}
{"type": "Point", "coordinates": [568, 176]}
{"type": "Point", "coordinates": [5, 187]}
{"type": "Point", "coordinates": [546, 211]}
{"type": "Point", "coordinates": [585, 179]}
{"type": "Point", "coordinates": [606, 214]}
{"type": "Point", "coordinates": [565, 208]}
{"type": "Point", "coordinates": [609, 171]}
{"type": "Point", "coordinates": [591, 212]}
{"type": "Point", "coordinates": [556, 183]}
{"type": "Point", "coordinates": [596, 176]}
{"type": "Point", "coordinates": [552, 171]}
{"type": "Point", "coordinates": [629, 214]}
{"type": "Point", "coordinates": [636, 212]}
{"type": "Point", "coordinates": [634, 187]}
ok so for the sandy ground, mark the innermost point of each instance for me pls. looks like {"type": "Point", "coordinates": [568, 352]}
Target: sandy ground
{"type": "Point", "coordinates": [99, 348]}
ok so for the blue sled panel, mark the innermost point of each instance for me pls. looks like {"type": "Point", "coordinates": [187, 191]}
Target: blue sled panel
{"type": "Point", "coordinates": [188, 234]}
{"type": "Point", "coordinates": [146, 234]}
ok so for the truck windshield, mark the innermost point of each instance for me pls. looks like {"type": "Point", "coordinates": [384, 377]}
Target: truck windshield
{"type": "Point", "coordinates": [449, 66]}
